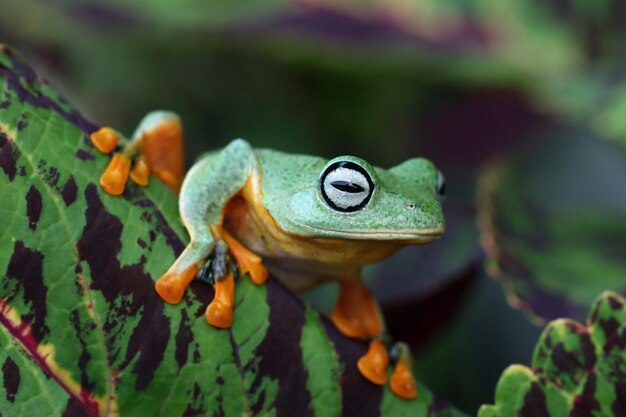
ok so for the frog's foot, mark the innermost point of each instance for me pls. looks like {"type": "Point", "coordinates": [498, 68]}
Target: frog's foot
{"type": "Point", "coordinates": [114, 178]}
{"type": "Point", "coordinates": [402, 382]}
{"type": "Point", "coordinates": [105, 139]}
{"type": "Point", "coordinates": [156, 147]}
{"type": "Point", "coordinates": [173, 284]}
{"type": "Point", "coordinates": [248, 261]}
{"type": "Point", "coordinates": [356, 312]}
{"type": "Point", "coordinates": [373, 365]}
{"type": "Point", "coordinates": [220, 312]}
{"type": "Point", "coordinates": [161, 144]}
{"type": "Point", "coordinates": [217, 271]}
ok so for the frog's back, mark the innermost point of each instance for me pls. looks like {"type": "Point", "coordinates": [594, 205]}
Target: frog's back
{"type": "Point", "coordinates": [282, 174]}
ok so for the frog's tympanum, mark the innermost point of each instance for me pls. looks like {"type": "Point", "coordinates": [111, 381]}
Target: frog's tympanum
{"type": "Point", "coordinates": [306, 219]}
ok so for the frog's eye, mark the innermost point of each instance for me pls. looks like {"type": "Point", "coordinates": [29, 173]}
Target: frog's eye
{"type": "Point", "coordinates": [441, 184]}
{"type": "Point", "coordinates": [346, 186]}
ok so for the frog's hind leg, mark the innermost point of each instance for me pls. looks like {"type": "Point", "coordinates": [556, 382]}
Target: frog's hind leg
{"type": "Point", "coordinates": [205, 193]}
{"type": "Point", "coordinates": [357, 315]}
{"type": "Point", "coordinates": [220, 312]}
{"type": "Point", "coordinates": [156, 147]}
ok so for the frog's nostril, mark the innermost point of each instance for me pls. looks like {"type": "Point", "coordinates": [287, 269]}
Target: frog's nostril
{"type": "Point", "coordinates": [410, 206]}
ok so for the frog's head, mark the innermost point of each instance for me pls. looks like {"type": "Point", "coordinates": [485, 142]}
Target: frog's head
{"type": "Point", "coordinates": [354, 200]}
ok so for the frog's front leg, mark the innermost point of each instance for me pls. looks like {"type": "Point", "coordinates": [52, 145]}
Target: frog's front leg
{"type": "Point", "coordinates": [357, 315]}
{"type": "Point", "coordinates": [156, 147]}
{"type": "Point", "coordinates": [207, 188]}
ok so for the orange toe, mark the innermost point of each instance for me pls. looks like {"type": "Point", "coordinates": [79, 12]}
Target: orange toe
{"type": "Point", "coordinates": [171, 286]}
{"type": "Point", "coordinates": [219, 315]}
{"type": "Point", "coordinates": [373, 365]}
{"type": "Point", "coordinates": [220, 312]}
{"type": "Point", "coordinates": [258, 273]}
{"type": "Point", "coordinates": [114, 178]}
{"type": "Point", "coordinates": [356, 312]}
{"type": "Point", "coordinates": [248, 261]}
{"type": "Point", "coordinates": [140, 173]}
{"type": "Point", "coordinates": [402, 382]}
{"type": "Point", "coordinates": [105, 139]}
{"type": "Point", "coordinates": [348, 327]}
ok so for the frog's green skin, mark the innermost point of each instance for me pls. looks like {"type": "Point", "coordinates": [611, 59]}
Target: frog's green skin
{"type": "Point", "coordinates": [272, 203]}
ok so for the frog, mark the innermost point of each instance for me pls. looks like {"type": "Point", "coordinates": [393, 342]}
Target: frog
{"type": "Point", "coordinates": [305, 220]}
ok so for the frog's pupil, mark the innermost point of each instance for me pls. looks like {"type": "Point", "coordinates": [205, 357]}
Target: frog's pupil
{"type": "Point", "coordinates": [347, 186]}
{"type": "Point", "coordinates": [442, 189]}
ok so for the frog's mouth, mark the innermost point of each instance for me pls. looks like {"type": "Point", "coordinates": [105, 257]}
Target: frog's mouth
{"type": "Point", "coordinates": [403, 235]}
{"type": "Point", "coordinates": [406, 236]}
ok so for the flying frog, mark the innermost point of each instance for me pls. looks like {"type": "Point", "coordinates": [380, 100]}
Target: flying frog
{"type": "Point", "coordinates": [306, 219]}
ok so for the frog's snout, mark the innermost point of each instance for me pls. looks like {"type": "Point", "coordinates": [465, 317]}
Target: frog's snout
{"type": "Point", "coordinates": [423, 218]}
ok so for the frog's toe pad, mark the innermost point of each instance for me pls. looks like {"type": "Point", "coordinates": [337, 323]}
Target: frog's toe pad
{"type": "Point", "coordinates": [219, 315]}
{"type": "Point", "coordinates": [114, 178]}
{"type": "Point", "coordinates": [373, 366]}
{"type": "Point", "coordinates": [105, 139]}
{"type": "Point", "coordinates": [258, 272]}
{"type": "Point", "coordinates": [348, 327]}
{"type": "Point", "coordinates": [402, 382]}
{"type": "Point", "coordinates": [140, 173]}
{"type": "Point", "coordinates": [171, 286]}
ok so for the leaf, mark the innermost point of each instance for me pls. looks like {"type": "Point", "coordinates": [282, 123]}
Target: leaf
{"type": "Point", "coordinates": [82, 331]}
{"type": "Point", "coordinates": [513, 34]}
{"type": "Point", "coordinates": [597, 98]}
{"type": "Point", "coordinates": [577, 370]}
{"type": "Point", "coordinates": [552, 224]}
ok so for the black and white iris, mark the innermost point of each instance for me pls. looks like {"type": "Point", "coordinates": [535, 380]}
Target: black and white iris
{"type": "Point", "coordinates": [346, 186]}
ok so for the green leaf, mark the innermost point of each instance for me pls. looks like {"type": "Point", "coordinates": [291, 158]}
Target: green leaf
{"type": "Point", "coordinates": [553, 229]}
{"type": "Point", "coordinates": [597, 98]}
{"type": "Point", "coordinates": [577, 370]}
{"type": "Point", "coordinates": [82, 331]}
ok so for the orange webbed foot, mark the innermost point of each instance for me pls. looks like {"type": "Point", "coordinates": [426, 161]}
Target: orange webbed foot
{"type": "Point", "coordinates": [158, 147]}
{"type": "Point", "coordinates": [373, 365]}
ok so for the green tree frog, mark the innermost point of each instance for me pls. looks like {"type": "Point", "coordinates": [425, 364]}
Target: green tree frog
{"type": "Point", "coordinates": [306, 219]}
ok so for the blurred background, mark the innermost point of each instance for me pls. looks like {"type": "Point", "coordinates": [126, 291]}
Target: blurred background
{"type": "Point", "coordinates": [522, 105]}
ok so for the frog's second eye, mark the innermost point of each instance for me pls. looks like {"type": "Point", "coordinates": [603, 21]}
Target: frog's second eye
{"type": "Point", "coordinates": [441, 184]}
{"type": "Point", "coordinates": [346, 186]}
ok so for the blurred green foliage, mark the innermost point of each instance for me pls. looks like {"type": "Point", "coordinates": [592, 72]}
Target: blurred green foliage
{"type": "Point", "coordinates": [538, 86]}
